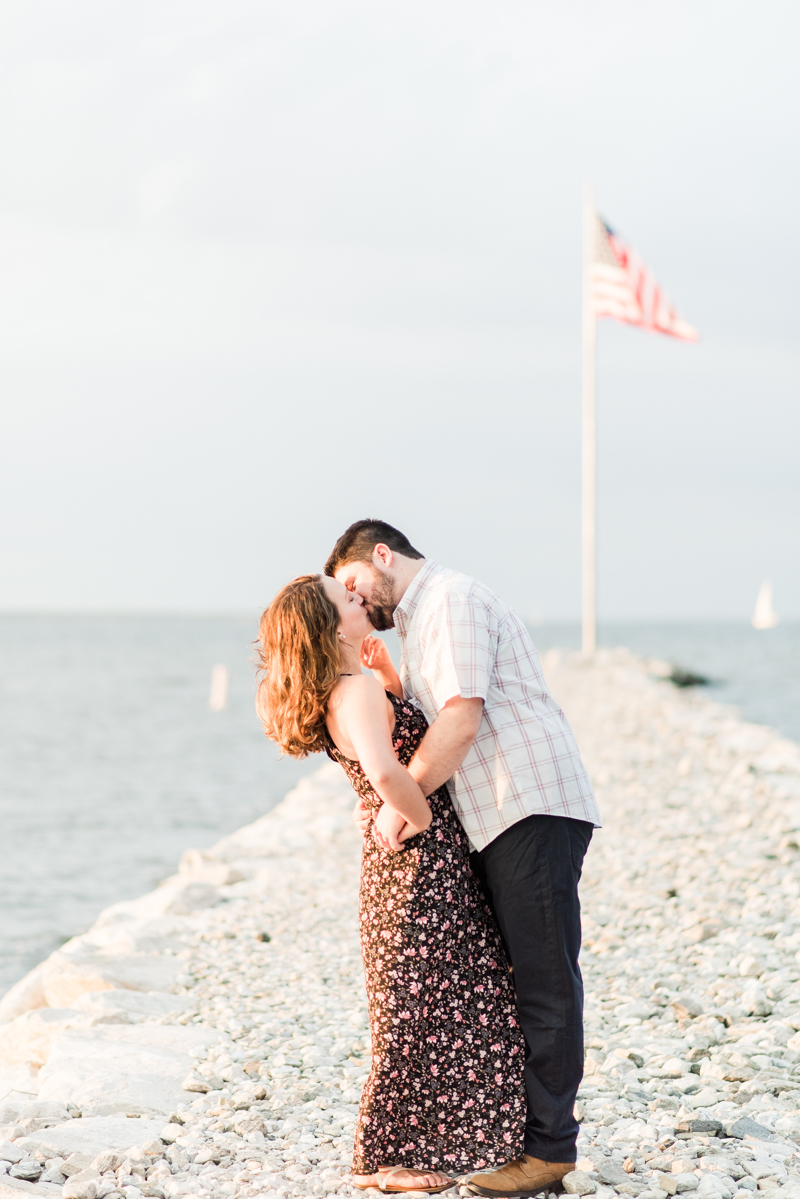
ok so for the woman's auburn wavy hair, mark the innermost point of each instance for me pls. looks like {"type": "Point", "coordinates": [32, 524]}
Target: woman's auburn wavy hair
{"type": "Point", "coordinates": [299, 666]}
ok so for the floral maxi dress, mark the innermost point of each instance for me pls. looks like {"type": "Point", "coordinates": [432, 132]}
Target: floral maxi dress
{"type": "Point", "coordinates": [446, 1089]}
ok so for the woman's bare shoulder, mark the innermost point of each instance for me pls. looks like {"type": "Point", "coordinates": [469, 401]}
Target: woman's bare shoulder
{"type": "Point", "coordinates": [358, 689]}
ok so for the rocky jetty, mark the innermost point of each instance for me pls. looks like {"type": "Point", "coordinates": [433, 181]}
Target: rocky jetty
{"type": "Point", "coordinates": [211, 1038]}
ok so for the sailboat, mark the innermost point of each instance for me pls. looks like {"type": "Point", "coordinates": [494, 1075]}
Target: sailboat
{"type": "Point", "coordinates": [764, 615]}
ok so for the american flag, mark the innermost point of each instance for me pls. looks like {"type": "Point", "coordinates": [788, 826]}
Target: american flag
{"type": "Point", "coordinates": [622, 287]}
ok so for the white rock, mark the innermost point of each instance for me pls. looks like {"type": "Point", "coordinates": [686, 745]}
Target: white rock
{"type": "Point", "coordinates": [136, 1006]}
{"type": "Point", "coordinates": [123, 932]}
{"type": "Point", "coordinates": [120, 1068]}
{"type": "Point", "coordinates": [29, 1037]}
{"type": "Point", "coordinates": [11, 1153]}
{"type": "Point", "coordinates": [79, 967]}
{"type": "Point", "coordinates": [176, 896]}
{"type": "Point", "coordinates": [199, 866]}
{"type": "Point", "coordinates": [170, 1133]}
{"type": "Point", "coordinates": [91, 1136]}
{"type": "Point", "coordinates": [73, 1163]}
{"type": "Point", "coordinates": [28, 993]}
{"type": "Point", "coordinates": [755, 1001]}
{"type": "Point", "coordinates": [20, 1081]}
{"type": "Point", "coordinates": [109, 1159]}
{"type": "Point", "coordinates": [712, 1186]}
{"type": "Point", "coordinates": [81, 1186]}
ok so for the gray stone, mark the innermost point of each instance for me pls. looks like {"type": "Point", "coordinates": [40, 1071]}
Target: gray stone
{"type": "Point", "coordinates": [28, 1169]}
{"type": "Point", "coordinates": [578, 1183]}
{"type": "Point", "coordinates": [11, 1153]}
{"type": "Point", "coordinates": [54, 1175]}
{"type": "Point", "coordinates": [745, 1126]}
{"type": "Point", "coordinates": [612, 1174]}
{"type": "Point", "coordinates": [698, 1126]}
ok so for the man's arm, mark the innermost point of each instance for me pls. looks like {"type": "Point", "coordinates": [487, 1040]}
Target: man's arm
{"type": "Point", "coordinates": [441, 751]}
{"type": "Point", "coordinates": [445, 745]}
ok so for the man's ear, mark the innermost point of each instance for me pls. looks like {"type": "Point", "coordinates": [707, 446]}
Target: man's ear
{"type": "Point", "coordinates": [382, 557]}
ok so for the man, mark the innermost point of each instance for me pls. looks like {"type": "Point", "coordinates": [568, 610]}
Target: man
{"type": "Point", "coordinates": [519, 786]}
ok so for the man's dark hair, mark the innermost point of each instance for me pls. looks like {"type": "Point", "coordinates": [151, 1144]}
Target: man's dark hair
{"type": "Point", "coordinates": [357, 543]}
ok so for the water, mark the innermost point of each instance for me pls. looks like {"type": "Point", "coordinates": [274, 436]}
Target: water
{"type": "Point", "coordinates": [758, 672]}
{"type": "Point", "coordinates": [111, 763]}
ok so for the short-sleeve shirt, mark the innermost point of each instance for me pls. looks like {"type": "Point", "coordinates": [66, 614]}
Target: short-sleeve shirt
{"type": "Point", "coordinates": [459, 638]}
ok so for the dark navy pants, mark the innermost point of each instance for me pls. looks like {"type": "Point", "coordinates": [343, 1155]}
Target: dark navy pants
{"type": "Point", "coordinates": [530, 874]}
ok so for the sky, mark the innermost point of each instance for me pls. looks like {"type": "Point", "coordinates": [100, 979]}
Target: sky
{"type": "Point", "coordinates": [268, 268]}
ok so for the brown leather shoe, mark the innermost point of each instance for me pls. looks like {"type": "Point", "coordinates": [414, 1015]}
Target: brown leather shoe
{"type": "Point", "coordinates": [520, 1179]}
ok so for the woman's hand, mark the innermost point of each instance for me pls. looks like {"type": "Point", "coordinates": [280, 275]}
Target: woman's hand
{"type": "Point", "coordinates": [387, 827]}
{"type": "Point", "coordinates": [375, 655]}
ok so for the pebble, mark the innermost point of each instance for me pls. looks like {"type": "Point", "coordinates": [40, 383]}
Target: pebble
{"type": "Point", "coordinates": [691, 903]}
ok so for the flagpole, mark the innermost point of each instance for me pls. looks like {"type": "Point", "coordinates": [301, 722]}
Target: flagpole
{"type": "Point", "coordinates": [589, 434]}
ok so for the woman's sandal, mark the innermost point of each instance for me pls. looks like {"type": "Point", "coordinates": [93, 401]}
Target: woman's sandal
{"type": "Point", "coordinates": [402, 1190]}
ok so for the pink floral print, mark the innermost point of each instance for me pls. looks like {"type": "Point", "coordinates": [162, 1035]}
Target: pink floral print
{"type": "Point", "coordinates": [446, 1088]}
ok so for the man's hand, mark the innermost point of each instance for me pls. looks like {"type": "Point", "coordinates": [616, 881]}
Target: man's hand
{"type": "Point", "coordinates": [387, 827]}
{"type": "Point", "coordinates": [362, 817]}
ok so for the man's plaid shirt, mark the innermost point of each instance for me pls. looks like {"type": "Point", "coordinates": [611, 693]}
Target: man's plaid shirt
{"type": "Point", "coordinates": [459, 638]}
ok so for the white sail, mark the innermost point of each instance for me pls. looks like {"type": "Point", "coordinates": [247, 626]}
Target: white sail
{"type": "Point", "coordinates": [218, 697]}
{"type": "Point", "coordinates": [764, 615]}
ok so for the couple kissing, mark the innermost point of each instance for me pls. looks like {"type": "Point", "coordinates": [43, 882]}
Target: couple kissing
{"type": "Point", "coordinates": [476, 812]}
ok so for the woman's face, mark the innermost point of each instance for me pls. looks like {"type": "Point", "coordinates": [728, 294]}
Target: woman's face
{"type": "Point", "coordinates": [354, 623]}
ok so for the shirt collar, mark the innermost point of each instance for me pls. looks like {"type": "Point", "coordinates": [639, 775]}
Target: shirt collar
{"type": "Point", "coordinates": [407, 606]}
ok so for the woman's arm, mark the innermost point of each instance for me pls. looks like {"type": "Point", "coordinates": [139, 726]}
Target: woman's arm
{"type": "Point", "coordinates": [364, 715]}
{"type": "Point", "coordinates": [375, 656]}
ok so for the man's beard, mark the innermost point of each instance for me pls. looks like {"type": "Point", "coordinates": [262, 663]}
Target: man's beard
{"type": "Point", "coordinates": [381, 606]}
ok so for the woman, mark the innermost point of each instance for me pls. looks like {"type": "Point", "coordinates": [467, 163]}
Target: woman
{"type": "Point", "coordinates": [445, 1089]}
